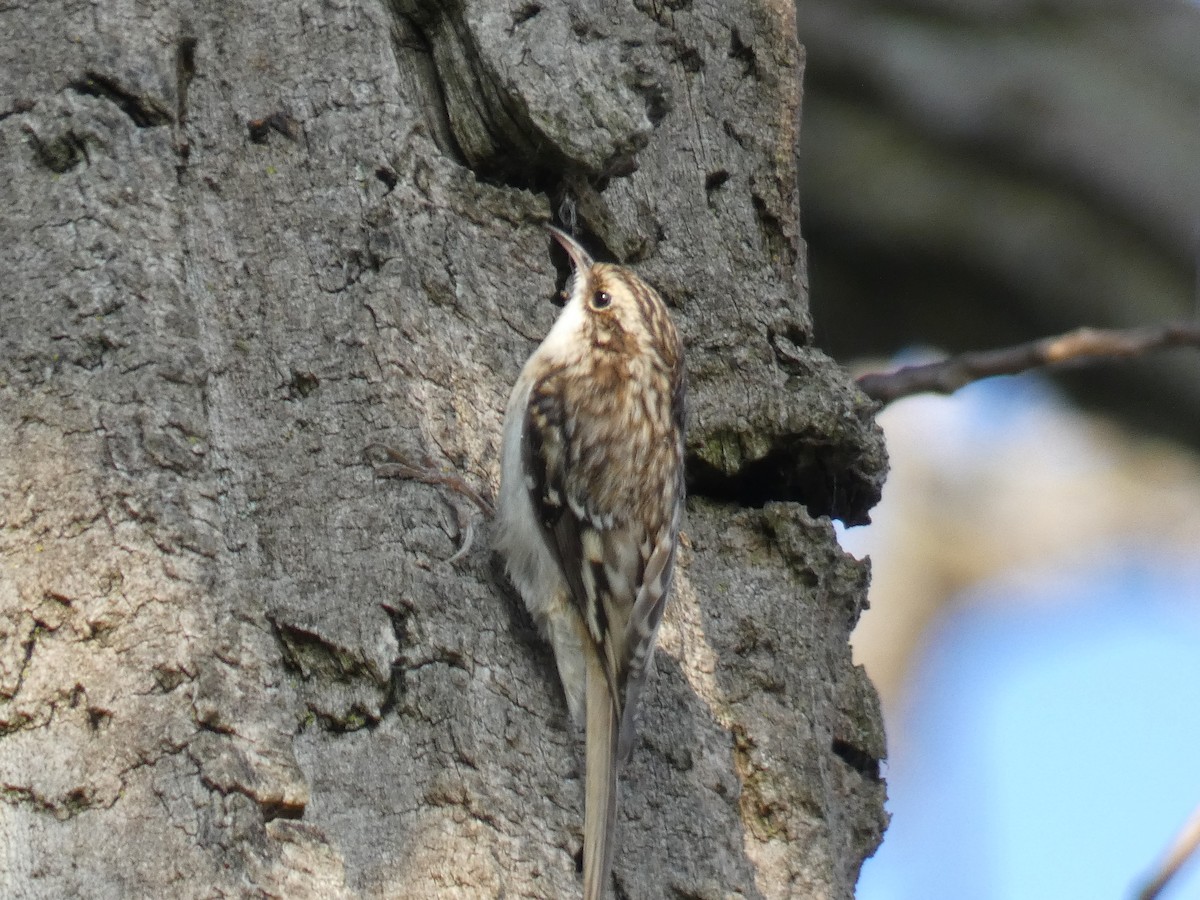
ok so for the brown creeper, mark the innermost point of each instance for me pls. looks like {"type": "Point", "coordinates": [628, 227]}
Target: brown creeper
{"type": "Point", "coordinates": [591, 497]}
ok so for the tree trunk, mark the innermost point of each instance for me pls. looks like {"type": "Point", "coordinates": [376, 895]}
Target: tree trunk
{"type": "Point", "coordinates": [249, 246]}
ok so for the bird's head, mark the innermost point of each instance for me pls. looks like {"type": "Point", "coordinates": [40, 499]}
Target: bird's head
{"type": "Point", "coordinates": [613, 310]}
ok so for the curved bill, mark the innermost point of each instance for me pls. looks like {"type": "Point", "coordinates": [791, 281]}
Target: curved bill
{"type": "Point", "coordinates": [580, 259]}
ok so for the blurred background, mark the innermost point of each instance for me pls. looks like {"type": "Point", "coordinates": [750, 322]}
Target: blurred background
{"type": "Point", "coordinates": [976, 174]}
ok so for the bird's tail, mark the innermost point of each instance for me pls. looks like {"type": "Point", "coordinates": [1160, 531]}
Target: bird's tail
{"type": "Point", "coordinates": [600, 804]}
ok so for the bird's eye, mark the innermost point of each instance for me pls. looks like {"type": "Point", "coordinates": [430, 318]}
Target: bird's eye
{"type": "Point", "coordinates": [601, 300]}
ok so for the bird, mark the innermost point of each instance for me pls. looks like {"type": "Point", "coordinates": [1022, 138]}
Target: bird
{"type": "Point", "coordinates": [589, 510]}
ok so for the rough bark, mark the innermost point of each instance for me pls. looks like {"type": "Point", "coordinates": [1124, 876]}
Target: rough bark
{"type": "Point", "coordinates": [247, 245]}
{"type": "Point", "coordinates": [978, 173]}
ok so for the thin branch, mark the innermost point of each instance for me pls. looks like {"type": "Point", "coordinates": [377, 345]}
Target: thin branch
{"type": "Point", "coordinates": [1081, 345]}
{"type": "Point", "coordinates": [1184, 846]}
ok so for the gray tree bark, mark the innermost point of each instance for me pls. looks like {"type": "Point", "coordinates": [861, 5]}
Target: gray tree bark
{"type": "Point", "coordinates": [247, 245]}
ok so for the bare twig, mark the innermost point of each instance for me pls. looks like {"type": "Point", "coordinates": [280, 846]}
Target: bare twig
{"type": "Point", "coordinates": [1083, 344]}
{"type": "Point", "coordinates": [1184, 846]}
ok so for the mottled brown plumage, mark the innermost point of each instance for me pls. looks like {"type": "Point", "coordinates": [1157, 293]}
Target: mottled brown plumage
{"type": "Point", "coordinates": [590, 502]}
